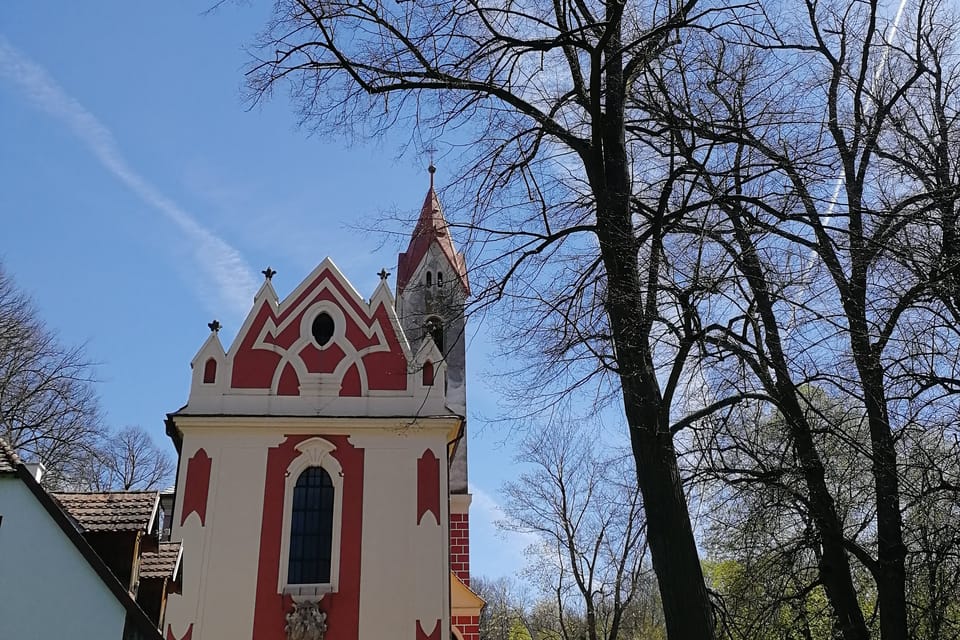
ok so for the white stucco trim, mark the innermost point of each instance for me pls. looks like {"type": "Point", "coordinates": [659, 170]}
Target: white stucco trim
{"type": "Point", "coordinates": [315, 452]}
{"type": "Point", "coordinates": [460, 502]}
{"type": "Point", "coordinates": [253, 425]}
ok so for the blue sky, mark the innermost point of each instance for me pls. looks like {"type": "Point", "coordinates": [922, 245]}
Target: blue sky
{"type": "Point", "coordinates": [140, 199]}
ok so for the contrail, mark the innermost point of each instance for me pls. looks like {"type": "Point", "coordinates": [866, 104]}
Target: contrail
{"type": "Point", "coordinates": [876, 78]}
{"type": "Point", "coordinates": [222, 265]}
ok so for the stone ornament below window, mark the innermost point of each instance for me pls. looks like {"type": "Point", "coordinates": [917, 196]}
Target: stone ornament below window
{"type": "Point", "coordinates": [306, 621]}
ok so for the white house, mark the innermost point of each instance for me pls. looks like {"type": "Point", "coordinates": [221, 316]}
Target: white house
{"type": "Point", "coordinates": [52, 583]}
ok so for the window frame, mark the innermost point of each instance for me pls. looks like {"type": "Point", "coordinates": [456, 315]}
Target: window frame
{"type": "Point", "coordinates": [434, 324]}
{"type": "Point", "coordinates": [314, 452]}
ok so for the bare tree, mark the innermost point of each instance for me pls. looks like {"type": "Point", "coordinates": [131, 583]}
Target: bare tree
{"type": "Point", "coordinates": [128, 460]}
{"type": "Point", "coordinates": [821, 136]}
{"type": "Point", "coordinates": [505, 606]}
{"type": "Point", "coordinates": [588, 514]}
{"type": "Point", "coordinates": [569, 188]}
{"type": "Point", "coordinates": [48, 407]}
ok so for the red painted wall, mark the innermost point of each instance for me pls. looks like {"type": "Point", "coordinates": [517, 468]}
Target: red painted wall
{"type": "Point", "coordinates": [342, 608]}
{"type": "Point", "coordinates": [188, 635]}
{"type": "Point", "coordinates": [197, 487]}
{"type": "Point", "coordinates": [428, 486]}
{"type": "Point", "coordinates": [255, 368]}
{"type": "Point", "coordinates": [434, 633]}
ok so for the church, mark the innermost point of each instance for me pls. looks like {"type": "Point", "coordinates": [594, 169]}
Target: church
{"type": "Point", "coordinates": [322, 484]}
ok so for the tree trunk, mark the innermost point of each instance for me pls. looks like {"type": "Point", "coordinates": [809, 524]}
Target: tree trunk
{"type": "Point", "coordinates": [834, 565]}
{"type": "Point", "coordinates": [673, 549]}
{"type": "Point", "coordinates": [890, 571]}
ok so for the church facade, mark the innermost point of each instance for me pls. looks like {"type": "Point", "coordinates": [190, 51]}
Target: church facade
{"type": "Point", "coordinates": [322, 484]}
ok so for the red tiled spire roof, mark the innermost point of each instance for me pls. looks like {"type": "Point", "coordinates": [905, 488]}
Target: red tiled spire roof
{"type": "Point", "coordinates": [431, 227]}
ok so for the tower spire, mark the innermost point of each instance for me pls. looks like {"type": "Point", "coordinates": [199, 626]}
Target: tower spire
{"type": "Point", "coordinates": [431, 229]}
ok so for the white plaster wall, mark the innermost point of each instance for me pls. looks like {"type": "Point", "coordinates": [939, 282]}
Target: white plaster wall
{"type": "Point", "coordinates": [47, 589]}
{"type": "Point", "coordinates": [404, 565]}
{"type": "Point", "coordinates": [236, 494]}
{"type": "Point", "coordinates": [222, 577]}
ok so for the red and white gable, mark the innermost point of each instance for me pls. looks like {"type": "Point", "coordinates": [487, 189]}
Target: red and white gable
{"type": "Point", "coordinates": [322, 351]}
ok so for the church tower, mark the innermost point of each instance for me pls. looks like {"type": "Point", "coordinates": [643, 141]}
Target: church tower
{"type": "Point", "coordinates": [432, 289]}
{"type": "Point", "coordinates": [322, 484]}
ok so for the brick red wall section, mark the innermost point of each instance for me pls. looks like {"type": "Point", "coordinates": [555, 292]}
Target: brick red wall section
{"type": "Point", "coordinates": [460, 546]}
{"type": "Point", "coordinates": [469, 626]}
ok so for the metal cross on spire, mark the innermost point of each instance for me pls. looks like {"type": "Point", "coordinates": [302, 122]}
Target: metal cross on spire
{"type": "Point", "coordinates": [431, 150]}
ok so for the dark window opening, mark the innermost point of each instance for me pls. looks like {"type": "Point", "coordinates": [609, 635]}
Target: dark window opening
{"type": "Point", "coordinates": [210, 371]}
{"type": "Point", "coordinates": [322, 328]}
{"type": "Point", "coordinates": [427, 374]}
{"type": "Point", "coordinates": [435, 329]}
{"type": "Point", "coordinates": [429, 278]}
{"type": "Point", "coordinates": [439, 278]}
{"type": "Point", "coordinates": [311, 528]}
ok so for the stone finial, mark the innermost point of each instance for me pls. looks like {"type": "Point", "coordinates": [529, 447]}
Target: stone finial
{"type": "Point", "coordinates": [214, 326]}
{"type": "Point", "coordinates": [384, 274]}
{"type": "Point", "coordinates": [268, 273]}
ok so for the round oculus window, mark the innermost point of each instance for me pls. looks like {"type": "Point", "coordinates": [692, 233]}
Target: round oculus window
{"type": "Point", "coordinates": [322, 328]}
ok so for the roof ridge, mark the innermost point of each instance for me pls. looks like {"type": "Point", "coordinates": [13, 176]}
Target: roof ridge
{"type": "Point", "coordinates": [9, 456]}
{"type": "Point", "coordinates": [108, 492]}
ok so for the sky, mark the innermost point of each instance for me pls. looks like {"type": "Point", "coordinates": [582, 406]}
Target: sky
{"type": "Point", "coordinates": [140, 197]}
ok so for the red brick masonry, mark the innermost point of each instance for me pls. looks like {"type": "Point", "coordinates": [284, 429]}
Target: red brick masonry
{"type": "Point", "coordinates": [460, 546]}
{"type": "Point", "coordinates": [469, 626]}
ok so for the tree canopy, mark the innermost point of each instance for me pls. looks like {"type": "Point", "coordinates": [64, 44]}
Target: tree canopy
{"type": "Point", "coordinates": [725, 210]}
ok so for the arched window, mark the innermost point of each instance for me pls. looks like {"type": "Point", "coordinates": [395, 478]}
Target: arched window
{"type": "Point", "coordinates": [427, 373]}
{"type": "Point", "coordinates": [429, 278]}
{"type": "Point", "coordinates": [439, 278]}
{"type": "Point", "coordinates": [434, 327]}
{"type": "Point", "coordinates": [210, 371]}
{"type": "Point", "coordinates": [311, 528]}
{"type": "Point", "coordinates": [312, 521]}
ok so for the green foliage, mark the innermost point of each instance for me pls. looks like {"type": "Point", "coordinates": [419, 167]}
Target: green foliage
{"type": "Point", "coordinates": [518, 631]}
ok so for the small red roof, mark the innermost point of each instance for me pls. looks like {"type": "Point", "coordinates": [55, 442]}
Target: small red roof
{"type": "Point", "coordinates": [111, 510]}
{"type": "Point", "coordinates": [431, 227]}
{"type": "Point", "coordinates": [162, 563]}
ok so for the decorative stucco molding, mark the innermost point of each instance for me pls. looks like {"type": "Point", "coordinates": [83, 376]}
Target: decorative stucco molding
{"type": "Point", "coordinates": [306, 621]}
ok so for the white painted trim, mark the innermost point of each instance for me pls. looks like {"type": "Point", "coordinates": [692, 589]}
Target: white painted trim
{"type": "Point", "coordinates": [315, 452]}
{"type": "Point", "coordinates": [460, 502]}
{"type": "Point", "coordinates": [321, 424]}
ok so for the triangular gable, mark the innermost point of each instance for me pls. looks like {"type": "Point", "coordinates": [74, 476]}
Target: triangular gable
{"type": "Point", "coordinates": [463, 600]}
{"type": "Point", "coordinates": [311, 352]}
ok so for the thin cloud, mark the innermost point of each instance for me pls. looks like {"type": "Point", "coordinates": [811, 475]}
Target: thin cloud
{"type": "Point", "coordinates": [511, 548]}
{"type": "Point", "coordinates": [222, 265]}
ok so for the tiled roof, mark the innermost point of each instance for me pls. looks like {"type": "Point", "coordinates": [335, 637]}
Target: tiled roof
{"type": "Point", "coordinates": [8, 458]}
{"type": "Point", "coordinates": [112, 510]}
{"type": "Point", "coordinates": [431, 227]}
{"type": "Point", "coordinates": [161, 563]}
